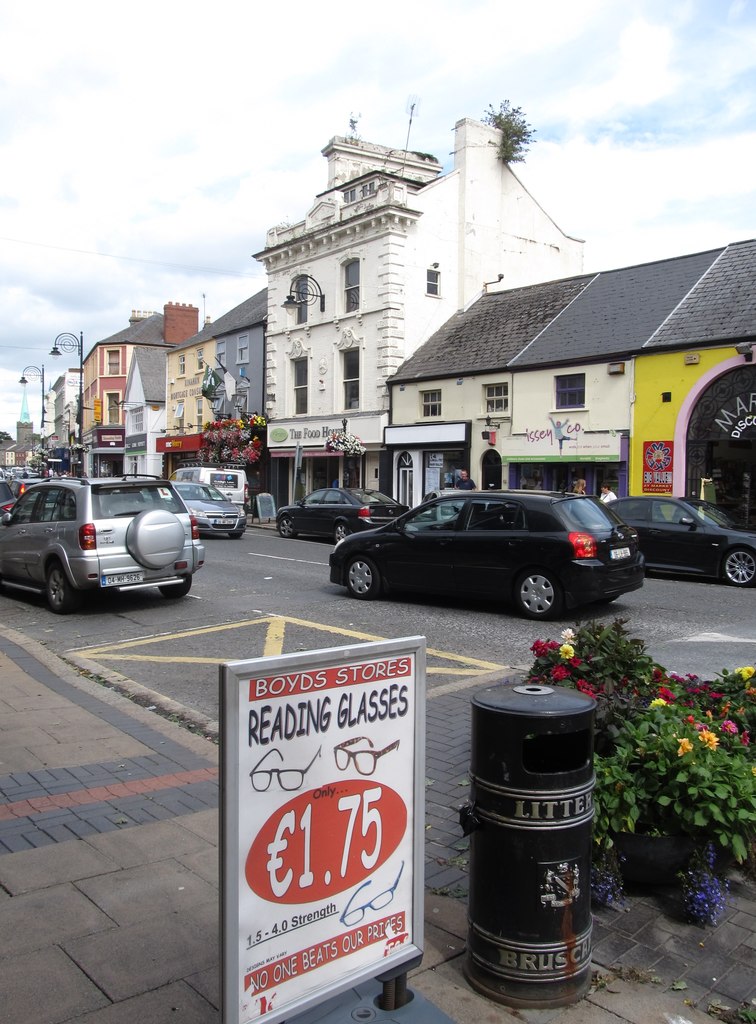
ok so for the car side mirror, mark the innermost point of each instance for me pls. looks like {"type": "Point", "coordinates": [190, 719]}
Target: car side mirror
{"type": "Point", "coordinates": [687, 521]}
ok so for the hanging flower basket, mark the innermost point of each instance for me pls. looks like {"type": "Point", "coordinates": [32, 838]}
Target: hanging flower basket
{"type": "Point", "coordinates": [345, 443]}
{"type": "Point", "coordinates": [241, 440]}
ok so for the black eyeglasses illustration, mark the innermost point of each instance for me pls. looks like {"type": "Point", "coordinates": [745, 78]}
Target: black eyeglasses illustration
{"type": "Point", "coordinates": [364, 760]}
{"type": "Point", "coordinates": [288, 778]}
{"type": "Point", "coordinates": [353, 915]}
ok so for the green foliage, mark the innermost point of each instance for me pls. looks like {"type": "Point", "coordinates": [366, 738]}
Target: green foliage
{"type": "Point", "coordinates": [516, 133]}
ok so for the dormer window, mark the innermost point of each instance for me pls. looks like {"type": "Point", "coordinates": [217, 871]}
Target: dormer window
{"type": "Point", "coordinates": [368, 189]}
{"type": "Point", "coordinates": [350, 195]}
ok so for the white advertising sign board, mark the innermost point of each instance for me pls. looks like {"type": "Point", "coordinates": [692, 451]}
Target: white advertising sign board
{"type": "Point", "coordinates": [323, 769]}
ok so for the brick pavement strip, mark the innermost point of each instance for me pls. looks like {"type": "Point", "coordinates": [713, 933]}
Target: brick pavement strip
{"type": "Point", "coordinates": [125, 916]}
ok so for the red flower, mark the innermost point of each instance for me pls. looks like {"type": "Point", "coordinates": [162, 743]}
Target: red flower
{"type": "Point", "coordinates": [559, 672]}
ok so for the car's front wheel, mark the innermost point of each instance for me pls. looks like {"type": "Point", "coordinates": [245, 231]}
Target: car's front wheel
{"type": "Point", "coordinates": [538, 595]}
{"type": "Point", "coordinates": [341, 530]}
{"type": "Point", "coordinates": [61, 596]}
{"type": "Point", "coordinates": [286, 526]}
{"type": "Point", "coordinates": [739, 567]}
{"type": "Point", "coordinates": [363, 580]}
{"type": "Point", "coordinates": [177, 589]}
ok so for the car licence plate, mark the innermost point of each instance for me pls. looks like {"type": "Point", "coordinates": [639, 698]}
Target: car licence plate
{"type": "Point", "coordinates": [620, 553]}
{"type": "Point", "coordinates": [120, 579]}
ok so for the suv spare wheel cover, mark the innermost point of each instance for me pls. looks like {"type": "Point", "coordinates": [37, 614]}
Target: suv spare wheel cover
{"type": "Point", "coordinates": [155, 538]}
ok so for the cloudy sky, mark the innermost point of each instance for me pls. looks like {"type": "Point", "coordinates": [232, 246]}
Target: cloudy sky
{"type": "Point", "coordinates": [146, 149]}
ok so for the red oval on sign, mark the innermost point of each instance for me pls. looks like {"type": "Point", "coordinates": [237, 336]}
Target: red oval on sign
{"type": "Point", "coordinates": [325, 841]}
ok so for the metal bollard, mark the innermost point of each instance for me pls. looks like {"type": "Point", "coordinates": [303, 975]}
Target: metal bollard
{"type": "Point", "coordinates": [529, 818]}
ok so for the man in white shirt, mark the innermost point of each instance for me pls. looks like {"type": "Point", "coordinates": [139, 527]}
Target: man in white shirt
{"type": "Point", "coordinates": [607, 494]}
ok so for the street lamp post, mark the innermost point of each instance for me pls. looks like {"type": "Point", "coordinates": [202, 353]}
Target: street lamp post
{"type": "Point", "coordinates": [36, 373]}
{"type": "Point", "coordinates": [67, 342]}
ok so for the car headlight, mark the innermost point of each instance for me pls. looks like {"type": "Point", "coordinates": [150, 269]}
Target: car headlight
{"type": "Point", "coordinates": [197, 512]}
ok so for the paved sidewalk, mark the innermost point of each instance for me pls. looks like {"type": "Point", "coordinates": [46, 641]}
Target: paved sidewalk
{"type": "Point", "coordinates": [109, 875]}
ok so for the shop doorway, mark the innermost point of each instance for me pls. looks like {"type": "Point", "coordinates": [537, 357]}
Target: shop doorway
{"type": "Point", "coordinates": [490, 471]}
{"type": "Point", "coordinates": [405, 479]}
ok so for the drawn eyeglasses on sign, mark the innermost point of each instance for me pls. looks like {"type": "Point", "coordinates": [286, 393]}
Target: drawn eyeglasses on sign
{"type": "Point", "coordinates": [288, 778]}
{"type": "Point", "coordinates": [353, 915]}
{"type": "Point", "coordinates": [365, 759]}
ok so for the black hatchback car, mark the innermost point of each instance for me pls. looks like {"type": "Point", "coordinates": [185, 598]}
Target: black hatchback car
{"type": "Point", "coordinates": [337, 511]}
{"type": "Point", "coordinates": [691, 537]}
{"type": "Point", "coordinates": [542, 551]}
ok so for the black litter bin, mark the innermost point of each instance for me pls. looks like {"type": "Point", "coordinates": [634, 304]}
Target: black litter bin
{"type": "Point", "coordinates": [530, 819]}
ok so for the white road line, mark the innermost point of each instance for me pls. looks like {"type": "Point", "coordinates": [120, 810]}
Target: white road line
{"type": "Point", "coordinates": [714, 638]}
{"type": "Point", "coordinates": [280, 558]}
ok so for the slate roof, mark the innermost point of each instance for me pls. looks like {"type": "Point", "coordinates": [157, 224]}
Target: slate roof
{"type": "Point", "coordinates": [142, 332]}
{"type": "Point", "coordinates": [151, 364]}
{"type": "Point", "coordinates": [490, 332]}
{"type": "Point", "coordinates": [694, 299]}
{"type": "Point", "coordinates": [722, 307]}
{"type": "Point", "coordinates": [253, 310]}
{"type": "Point", "coordinates": [618, 312]}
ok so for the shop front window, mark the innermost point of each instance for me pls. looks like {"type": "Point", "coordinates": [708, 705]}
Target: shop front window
{"type": "Point", "coordinates": [441, 469]}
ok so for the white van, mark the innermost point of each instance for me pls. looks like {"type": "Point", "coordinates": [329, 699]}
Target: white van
{"type": "Point", "coordinates": [230, 481]}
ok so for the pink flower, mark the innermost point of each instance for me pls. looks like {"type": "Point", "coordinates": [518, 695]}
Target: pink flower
{"type": "Point", "coordinates": [729, 726]}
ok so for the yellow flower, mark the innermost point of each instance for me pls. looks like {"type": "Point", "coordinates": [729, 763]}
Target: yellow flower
{"type": "Point", "coordinates": [658, 702]}
{"type": "Point", "coordinates": [746, 672]}
{"type": "Point", "coordinates": [685, 747]}
{"type": "Point", "coordinates": [709, 739]}
{"type": "Point", "coordinates": [567, 651]}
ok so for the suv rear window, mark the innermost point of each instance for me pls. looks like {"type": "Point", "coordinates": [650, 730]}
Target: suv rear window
{"type": "Point", "coordinates": [110, 502]}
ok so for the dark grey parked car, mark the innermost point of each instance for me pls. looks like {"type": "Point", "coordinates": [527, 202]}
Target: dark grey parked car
{"type": "Point", "coordinates": [212, 510]}
{"type": "Point", "coordinates": [695, 538]}
{"type": "Point", "coordinates": [542, 551]}
{"type": "Point", "coordinates": [337, 511]}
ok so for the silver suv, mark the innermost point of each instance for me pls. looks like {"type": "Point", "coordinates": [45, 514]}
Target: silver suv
{"type": "Point", "coordinates": [67, 536]}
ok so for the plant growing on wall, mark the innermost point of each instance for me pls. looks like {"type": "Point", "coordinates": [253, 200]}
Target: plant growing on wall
{"type": "Point", "coordinates": [516, 133]}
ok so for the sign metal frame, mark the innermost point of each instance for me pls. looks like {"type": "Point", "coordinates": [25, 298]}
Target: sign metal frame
{"type": "Point", "coordinates": [311, 817]}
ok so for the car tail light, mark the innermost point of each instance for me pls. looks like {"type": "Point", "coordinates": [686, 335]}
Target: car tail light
{"type": "Point", "coordinates": [7, 506]}
{"type": "Point", "coordinates": [87, 537]}
{"type": "Point", "coordinates": [583, 544]}
{"type": "Point", "coordinates": [364, 512]}
{"type": "Point", "coordinates": [195, 529]}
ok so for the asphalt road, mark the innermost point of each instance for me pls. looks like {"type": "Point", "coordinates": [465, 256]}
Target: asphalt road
{"type": "Point", "coordinates": [263, 595]}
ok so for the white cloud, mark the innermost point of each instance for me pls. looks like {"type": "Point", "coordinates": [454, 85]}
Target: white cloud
{"type": "Point", "coordinates": [176, 137]}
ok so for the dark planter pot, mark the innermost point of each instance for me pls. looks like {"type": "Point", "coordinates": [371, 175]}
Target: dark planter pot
{"type": "Point", "coordinates": [652, 860]}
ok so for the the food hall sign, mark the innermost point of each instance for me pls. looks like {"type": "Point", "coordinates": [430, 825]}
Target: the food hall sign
{"type": "Point", "coordinates": [323, 773]}
{"type": "Point", "coordinates": [739, 417]}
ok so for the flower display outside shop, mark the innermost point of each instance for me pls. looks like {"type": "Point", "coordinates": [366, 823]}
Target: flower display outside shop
{"type": "Point", "coordinates": [234, 440]}
{"type": "Point", "coordinates": [345, 443]}
{"type": "Point", "coordinates": [674, 755]}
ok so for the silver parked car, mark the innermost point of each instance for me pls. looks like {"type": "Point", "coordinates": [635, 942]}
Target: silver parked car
{"type": "Point", "coordinates": [65, 537]}
{"type": "Point", "coordinates": [214, 512]}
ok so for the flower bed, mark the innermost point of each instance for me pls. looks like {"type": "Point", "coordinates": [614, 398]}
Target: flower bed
{"type": "Point", "coordinates": [673, 753]}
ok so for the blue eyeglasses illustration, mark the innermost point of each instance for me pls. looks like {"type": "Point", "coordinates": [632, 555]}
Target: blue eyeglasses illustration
{"type": "Point", "coordinates": [353, 915]}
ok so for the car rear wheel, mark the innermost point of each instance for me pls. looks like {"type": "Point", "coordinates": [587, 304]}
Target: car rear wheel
{"type": "Point", "coordinates": [177, 589]}
{"type": "Point", "coordinates": [341, 531]}
{"type": "Point", "coordinates": [538, 595]}
{"type": "Point", "coordinates": [155, 538]}
{"type": "Point", "coordinates": [363, 580]}
{"type": "Point", "coordinates": [286, 527]}
{"type": "Point", "coordinates": [61, 596]}
{"type": "Point", "coordinates": [739, 567]}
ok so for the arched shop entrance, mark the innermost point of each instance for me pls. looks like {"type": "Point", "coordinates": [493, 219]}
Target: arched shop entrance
{"type": "Point", "coordinates": [490, 470]}
{"type": "Point", "coordinates": [721, 444]}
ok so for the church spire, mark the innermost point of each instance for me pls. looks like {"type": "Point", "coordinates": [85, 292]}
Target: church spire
{"type": "Point", "coordinates": [25, 417]}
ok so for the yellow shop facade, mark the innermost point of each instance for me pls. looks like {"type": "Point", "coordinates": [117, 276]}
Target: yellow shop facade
{"type": "Point", "coordinates": [694, 426]}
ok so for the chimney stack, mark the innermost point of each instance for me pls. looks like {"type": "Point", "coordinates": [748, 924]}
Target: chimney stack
{"type": "Point", "coordinates": [181, 321]}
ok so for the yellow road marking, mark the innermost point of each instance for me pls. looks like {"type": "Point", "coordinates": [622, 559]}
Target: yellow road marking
{"type": "Point", "coordinates": [274, 642]}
